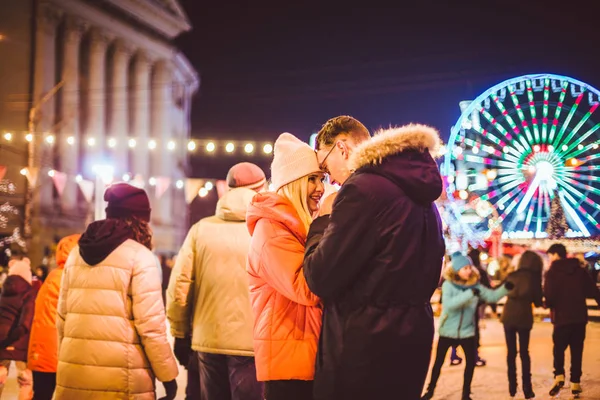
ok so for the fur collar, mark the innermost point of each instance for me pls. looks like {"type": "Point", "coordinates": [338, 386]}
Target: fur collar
{"type": "Point", "coordinates": [452, 276]}
{"type": "Point", "coordinates": [391, 141]}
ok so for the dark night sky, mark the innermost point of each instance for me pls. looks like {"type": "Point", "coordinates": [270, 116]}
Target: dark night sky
{"type": "Point", "coordinates": [274, 68]}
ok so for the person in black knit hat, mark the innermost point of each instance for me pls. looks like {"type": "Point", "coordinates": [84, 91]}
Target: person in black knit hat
{"type": "Point", "coordinates": [113, 325]}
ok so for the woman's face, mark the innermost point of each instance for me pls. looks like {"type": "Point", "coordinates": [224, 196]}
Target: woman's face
{"type": "Point", "coordinates": [315, 190]}
{"type": "Point", "coordinates": [465, 272]}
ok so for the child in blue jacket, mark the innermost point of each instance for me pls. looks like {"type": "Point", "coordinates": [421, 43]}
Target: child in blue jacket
{"type": "Point", "coordinates": [461, 293]}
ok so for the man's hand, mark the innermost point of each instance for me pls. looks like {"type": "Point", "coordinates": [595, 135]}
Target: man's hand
{"type": "Point", "coordinates": [327, 205]}
{"type": "Point", "coordinates": [183, 349]}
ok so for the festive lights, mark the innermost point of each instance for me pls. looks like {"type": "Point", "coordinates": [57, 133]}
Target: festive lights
{"type": "Point", "coordinates": [151, 144]}
{"type": "Point", "coordinates": [230, 147]}
{"type": "Point", "coordinates": [552, 145]}
{"type": "Point", "coordinates": [71, 140]}
{"type": "Point", "coordinates": [210, 147]}
{"type": "Point", "coordinates": [191, 145]}
{"type": "Point", "coordinates": [249, 148]}
{"type": "Point", "coordinates": [50, 139]}
{"type": "Point", "coordinates": [8, 136]}
{"type": "Point", "coordinates": [132, 143]}
{"type": "Point", "coordinates": [268, 148]}
{"type": "Point", "coordinates": [91, 142]}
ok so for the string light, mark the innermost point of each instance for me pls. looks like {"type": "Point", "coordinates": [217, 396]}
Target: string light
{"type": "Point", "coordinates": [152, 144]}
{"type": "Point", "coordinates": [210, 147]}
{"type": "Point", "coordinates": [152, 181]}
{"type": "Point", "coordinates": [126, 177]}
{"type": "Point", "coordinates": [91, 142]}
{"type": "Point", "coordinates": [203, 192]}
{"type": "Point", "coordinates": [112, 142]}
{"type": "Point", "coordinates": [249, 148]}
{"type": "Point", "coordinates": [51, 173]}
{"type": "Point", "coordinates": [8, 136]}
{"type": "Point", "coordinates": [71, 140]}
{"type": "Point", "coordinates": [50, 139]}
{"type": "Point", "coordinates": [23, 171]}
{"type": "Point", "coordinates": [229, 147]}
{"type": "Point", "coordinates": [132, 143]}
{"type": "Point", "coordinates": [191, 145]}
{"type": "Point", "coordinates": [268, 148]}
{"type": "Point", "coordinates": [29, 137]}
{"type": "Point", "coordinates": [208, 185]}
{"type": "Point", "coordinates": [179, 184]}
{"type": "Point", "coordinates": [78, 178]}
{"type": "Point", "coordinates": [171, 145]}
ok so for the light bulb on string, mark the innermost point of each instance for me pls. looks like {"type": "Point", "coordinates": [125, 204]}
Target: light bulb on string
{"type": "Point", "coordinates": [51, 173]}
{"type": "Point", "coordinates": [152, 144]}
{"type": "Point", "coordinates": [132, 143]}
{"type": "Point", "coordinates": [71, 140]}
{"type": "Point", "coordinates": [112, 142]}
{"type": "Point", "coordinates": [268, 148]}
{"type": "Point", "coordinates": [8, 136]}
{"type": "Point", "coordinates": [78, 178]}
{"type": "Point", "coordinates": [29, 137]}
{"type": "Point", "coordinates": [208, 185]}
{"type": "Point", "coordinates": [50, 139]}
{"type": "Point", "coordinates": [179, 184]}
{"type": "Point", "coordinates": [203, 192]}
{"type": "Point", "coordinates": [152, 181]}
{"type": "Point", "coordinates": [249, 148]}
{"type": "Point", "coordinates": [229, 147]}
{"type": "Point", "coordinates": [91, 142]}
{"type": "Point", "coordinates": [191, 146]}
{"type": "Point", "coordinates": [126, 177]}
{"type": "Point", "coordinates": [171, 145]}
{"type": "Point", "coordinates": [210, 147]}
{"type": "Point", "coordinates": [23, 171]}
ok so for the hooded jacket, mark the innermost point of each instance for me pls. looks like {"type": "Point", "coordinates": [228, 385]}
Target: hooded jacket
{"type": "Point", "coordinates": [527, 290]}
{"type": "Point", "coordinates": [457, 320]}
{"type": "Point", "coordinates": [208, 289]}
{"type": "Point", "coordinates": [566, 287]}
{"type": "Point", "coordinates": [111, 320]}
{"type": "Point", "coordinates": [17, 303]}
{"type": "Point", "coordinates": [287, 315]}
{"type": "Point", "coordinates": [376, 266]}
{"type": "Point", "coordinates": [43, 343]}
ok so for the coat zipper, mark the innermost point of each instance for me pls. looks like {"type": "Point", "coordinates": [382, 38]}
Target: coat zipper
{"type": "Point", "coordinates": [462, 311]}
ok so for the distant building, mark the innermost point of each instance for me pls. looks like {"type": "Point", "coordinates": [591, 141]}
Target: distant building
{"type": "Point", "coordinates": [124, 99]}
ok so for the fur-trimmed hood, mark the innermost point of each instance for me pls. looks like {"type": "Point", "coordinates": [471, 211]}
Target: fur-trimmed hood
{"type": "Point", "coordinates": [452, 276]}
{"type": "Point", "coordinates": [405, 156]}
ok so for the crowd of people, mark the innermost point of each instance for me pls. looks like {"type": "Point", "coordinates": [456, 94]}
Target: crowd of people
{"type": "Point", "coordinates": [283, 294]}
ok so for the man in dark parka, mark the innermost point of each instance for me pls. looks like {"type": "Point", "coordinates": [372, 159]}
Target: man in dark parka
{"type": "Point", "coordinates": [376, 261]}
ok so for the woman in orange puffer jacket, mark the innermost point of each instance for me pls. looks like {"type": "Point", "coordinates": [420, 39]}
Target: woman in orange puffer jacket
{"type": "Point", "coordinates": [43, 342]}
{"type": "Point", "coordinates": [287, 316]}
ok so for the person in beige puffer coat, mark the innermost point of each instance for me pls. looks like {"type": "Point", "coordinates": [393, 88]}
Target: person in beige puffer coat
{"type": "Point", "coordinates": [208, 292]}
{"type": "Point", "coordinates": [110, 317]}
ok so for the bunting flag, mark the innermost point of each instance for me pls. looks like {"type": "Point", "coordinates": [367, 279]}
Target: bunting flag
{"type": "Point", "coordinates": [221, 187]}
{"type": "Point", "coordinates": [32, 175]}
{"type": "Point", "coordinates": [60, 181]}
{"type": "Point", "coordinates": [87, 188]}
{"type": "Point", "coordinates": [162, 184]}
{"type": "Point", "coordinates": [138, 181]}
{"type": "Point", "coordinates": [192, 186]}
{"type": "Point", "coordinates": [2, 171]}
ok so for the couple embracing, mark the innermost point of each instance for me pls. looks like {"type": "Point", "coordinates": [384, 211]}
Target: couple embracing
{"type": "Point", "coordinates": [340, 288]}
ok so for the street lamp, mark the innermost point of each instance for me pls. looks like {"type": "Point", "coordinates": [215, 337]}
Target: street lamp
{"type": "Point", "coordinates": [104, 176]}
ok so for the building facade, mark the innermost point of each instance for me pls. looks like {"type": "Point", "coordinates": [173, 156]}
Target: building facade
{"type": "Point", "coordinates": [94, 83]}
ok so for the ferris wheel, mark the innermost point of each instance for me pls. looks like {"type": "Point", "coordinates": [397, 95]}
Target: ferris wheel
{"type": "Point", "coordinates": [524, 141]}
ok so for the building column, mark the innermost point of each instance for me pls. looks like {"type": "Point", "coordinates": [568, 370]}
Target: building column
{"type": "Point", "coordinates": [140, 94]}
{"type": "Point", "coordinates": [44, 81]}
{"type": "Point", "coordinates": [162, 131]}
{"type": "Point", "coordinates": [119, 107]}
{"type": "Point", "coordinates": [68, 142]}
{"type": "Point", "coordinates": [96, 101]}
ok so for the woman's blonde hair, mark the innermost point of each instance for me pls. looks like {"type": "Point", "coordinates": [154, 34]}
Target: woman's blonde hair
{"type": "Point", "coordinates": [296, 192]}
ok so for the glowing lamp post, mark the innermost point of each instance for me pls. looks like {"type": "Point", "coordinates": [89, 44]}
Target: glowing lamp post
{"type": "Point", "coordinates": [104, 176]}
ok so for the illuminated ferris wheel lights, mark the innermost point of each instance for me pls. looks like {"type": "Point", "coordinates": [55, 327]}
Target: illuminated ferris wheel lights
{"type": "Point", "coordinates": [545, 170]}
{"type": "Point", "coordinates": [531, 169]}
{"type": "Point", "coordinates": [463, 194]}
{"type": "Point", "coordinates": [565, 147]}
{"type": "Point", "coordinates": [550, 148]}
{"type": "Point", "coordinates": [573, 162]}
{"type": "Point", "coordinates": [536, 148]}
{"type": "Point", "coordinates": [491, 174]}
{"type": "Point", "coordinates": [450, 179]}
{"type": "Point", "coordinates": [475, 150]}
{"type": "Point", "coordinates": [580, 147]}
{"type": "Point", "coordinates": [506, 150]}
{"type": "Point", "coordinates": [595, 146]}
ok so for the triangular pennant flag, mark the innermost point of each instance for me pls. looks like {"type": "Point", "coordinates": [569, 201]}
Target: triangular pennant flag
{"type": "Point", "coordinates": [221, 187]}
{"type": "Point", "coordinates": [60, 181]}
{"type": "Point", "coordinates": [192, 186]}
{"type": "Point", "coordinates": [32, 175]}
{"type": "Point", "coordinates": [2, 171]}
{"type": "Point", "coordinates": [87, 188]}
{"type": "Point", "coordinates": [138, 181]}
{"type": "Point", "coordinates": [162, 184]}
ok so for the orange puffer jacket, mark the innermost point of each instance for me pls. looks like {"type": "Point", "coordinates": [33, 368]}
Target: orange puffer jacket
{"type": "Point", "coordinates": [287, 315]}
{"type": "Point", "coordinates": [43, 341]}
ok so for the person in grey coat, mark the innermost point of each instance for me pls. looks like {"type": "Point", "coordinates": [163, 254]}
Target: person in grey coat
{"type": "Point", "coordinates": [517, 318]}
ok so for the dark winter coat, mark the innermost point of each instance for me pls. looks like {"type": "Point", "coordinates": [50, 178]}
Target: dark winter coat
{"type": "Point", "coordinates": [376, 266]}
{"type": "Point", "coordinates": [566, 287]}
{"type": "Point", "coordinates": [527, 290]}
{"type": "Point", "coordinates": [17, 304]}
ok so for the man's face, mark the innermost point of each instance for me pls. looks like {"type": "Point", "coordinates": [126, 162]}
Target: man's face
{"type": "Point", "coordinates": [334, 161]}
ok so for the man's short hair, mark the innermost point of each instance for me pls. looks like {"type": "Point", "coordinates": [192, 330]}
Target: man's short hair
{"type": "Point", "coordinates": [344, 124]}
{"type": "Point", "coordinates": [558, 248]}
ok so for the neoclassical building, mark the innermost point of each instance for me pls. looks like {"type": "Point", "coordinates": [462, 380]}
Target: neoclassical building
{"type": "Point", "coordinates": [101, 83]}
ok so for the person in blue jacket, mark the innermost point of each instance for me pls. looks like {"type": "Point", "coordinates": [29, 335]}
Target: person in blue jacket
{"type": "Point", "coordinates": [461, 293]}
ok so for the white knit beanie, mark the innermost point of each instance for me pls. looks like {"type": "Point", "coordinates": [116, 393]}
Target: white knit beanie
{"type": "Point", "coordinates": [292, 160]}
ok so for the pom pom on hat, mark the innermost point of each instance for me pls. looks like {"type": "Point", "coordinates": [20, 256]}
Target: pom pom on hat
{"type": "Point", "coordinates": [459, 261]}
{"type": "Point", "coordinates": [246, 175]}
{"type": "Point", "coordinates": [292, 160]}
{"type": "Point", "coordinates": [125, 200]}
